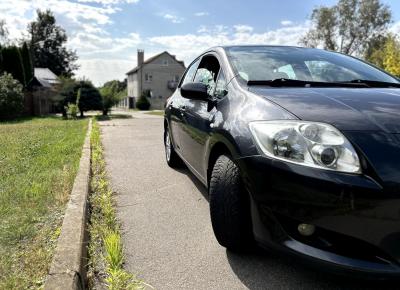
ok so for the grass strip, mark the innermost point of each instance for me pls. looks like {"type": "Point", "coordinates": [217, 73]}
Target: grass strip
{"type": "Point", "coordinates": [105, 249]}
{"type": "Point", "coordinates": [39, 159]}
{"type": "Point", "coordinates": [156, 113]}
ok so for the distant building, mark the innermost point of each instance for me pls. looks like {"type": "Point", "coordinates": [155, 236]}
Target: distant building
{"type": "Point", "coordinates": [41, 91]}
{"type": "Point", "coordinates": [159, 74]}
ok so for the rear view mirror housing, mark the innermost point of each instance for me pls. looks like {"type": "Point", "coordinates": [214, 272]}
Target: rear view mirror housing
{"type": "Point", "coordinates": [195, 91]}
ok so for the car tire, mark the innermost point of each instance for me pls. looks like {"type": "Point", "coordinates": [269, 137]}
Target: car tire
{"type": "Point", "coordinates": [230, 206]}
{"type": "Point", "coordinates": [173, 160]}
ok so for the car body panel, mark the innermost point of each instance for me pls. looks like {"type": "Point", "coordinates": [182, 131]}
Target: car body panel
{"type": "Point", "coordinates": [346, 108]}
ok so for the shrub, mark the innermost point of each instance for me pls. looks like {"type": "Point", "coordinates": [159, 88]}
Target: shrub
{"type": "Point", "coordinates": [143, 103]}
{"type": "Point", "coordinates": [11, 97]}
{"type": "Point", "coordinates": [72, 111]}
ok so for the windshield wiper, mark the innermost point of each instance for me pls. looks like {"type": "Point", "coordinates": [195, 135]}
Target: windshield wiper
{"type": "Point", "coordinates": [300, 83]}
{"type": "Point", "coordinates": [373, 84]}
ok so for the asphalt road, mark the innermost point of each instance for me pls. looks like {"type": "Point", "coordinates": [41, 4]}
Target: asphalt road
{"type": "Point", "coordinates": [167, 234]}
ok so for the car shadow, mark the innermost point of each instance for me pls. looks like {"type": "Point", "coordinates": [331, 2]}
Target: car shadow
{"type": "Point", "coordinates": [109, 117]}
{"type": "Point", "coordinates": [263, 269]}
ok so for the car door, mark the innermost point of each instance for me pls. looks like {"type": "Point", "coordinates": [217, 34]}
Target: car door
{"type": "Point", "coordinates": [198, 116]}
{"type": "Point", "coordinates": [177, 106]}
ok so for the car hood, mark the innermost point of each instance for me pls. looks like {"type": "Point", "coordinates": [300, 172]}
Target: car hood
{"type": "Point", "coordinates": [345, 108]}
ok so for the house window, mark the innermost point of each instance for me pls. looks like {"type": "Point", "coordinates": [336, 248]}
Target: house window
{"type": "Point", "coordinates": [148, 77]}
{"type": "Point", "coordinates": [165, 62]}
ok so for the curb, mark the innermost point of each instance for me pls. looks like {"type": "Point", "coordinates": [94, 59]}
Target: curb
{"type": "Point", "coordinates": [68, 268]}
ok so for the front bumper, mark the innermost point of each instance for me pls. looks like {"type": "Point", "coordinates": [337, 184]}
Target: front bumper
{"type": "Point", "coordinates": [357, 221]}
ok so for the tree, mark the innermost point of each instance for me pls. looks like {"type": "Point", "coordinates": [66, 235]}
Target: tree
{"type": "Point", "coordinates": [349, 26]}
{"type": "Point", "coordinates": [385, 54]}
{"type": "Point", "coordinates": [143, 103]}
{"type": "Point", "coordinates": [391, 61]}
{"type": "Point", "coordinates": [90, 98]}
{"type": "Point", "coordinates": [68, 91]}
{"type": "Point", "coordinates": [12, 63]}
{"type": "Point", "coordinates": [374, 52]}
{"type": "Point", "coordinates": [26, 62]}
{"type": "Point", "coordinates": [3, 33]}
{"type": "Point", "coordinates": [111, 93]}
{"type": "Point", "coordinates": [47, 44]}
{"type": "Point", "coordinates": [11, 97]}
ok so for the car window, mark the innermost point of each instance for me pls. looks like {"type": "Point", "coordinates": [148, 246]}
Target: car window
{"type": "Point", "coordinates": [220, 88]}
{"type": "Point", "coordinates": [286, 71]}
{"type": "Point", "coordinates": [305, 64]}
{"type": "Point", "coordinates": [207, 72]}
{"type": "Point", "coordinates": [324, 71]}
{"type": "Point", "coordinates": [190, 73]}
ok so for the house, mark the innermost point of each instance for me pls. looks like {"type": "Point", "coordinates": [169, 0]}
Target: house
{"type": "Point", "coordinates": [41, 91]}
{"type": "Point", "coordinates": [159, 75]}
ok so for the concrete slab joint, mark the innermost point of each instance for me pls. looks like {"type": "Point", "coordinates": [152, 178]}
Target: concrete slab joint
{"type": "Point", "coordinates": [68, 268]}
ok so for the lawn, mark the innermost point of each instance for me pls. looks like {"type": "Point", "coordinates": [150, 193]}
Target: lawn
{"type": "Point", "coordinates": [39, 159]}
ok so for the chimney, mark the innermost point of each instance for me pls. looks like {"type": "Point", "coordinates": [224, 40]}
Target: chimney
{"type": "Point", "coordinates": [140, 56]}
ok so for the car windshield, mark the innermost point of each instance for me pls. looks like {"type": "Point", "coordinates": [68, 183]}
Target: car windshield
{"type": "Point", "coordinates": [265, 63]}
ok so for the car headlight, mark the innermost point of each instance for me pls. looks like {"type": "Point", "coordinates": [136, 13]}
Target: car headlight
{"type": "Point", "coordinates": [307, 143]}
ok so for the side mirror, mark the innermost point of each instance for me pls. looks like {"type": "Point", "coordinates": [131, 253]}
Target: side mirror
{"type": "Point", "coordinates": [195, 91]}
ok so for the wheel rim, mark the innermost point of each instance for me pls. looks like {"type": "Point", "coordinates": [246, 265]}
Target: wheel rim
{"type": "Point", "coordinates": [167, 146]}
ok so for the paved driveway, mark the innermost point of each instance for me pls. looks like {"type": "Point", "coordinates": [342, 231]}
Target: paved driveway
{"type": "Point", "coordinates": [167, 232]}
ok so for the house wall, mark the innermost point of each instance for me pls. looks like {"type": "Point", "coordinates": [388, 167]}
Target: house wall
{"type": "Point", "coordinates": [41, 100]}
{"type": "Point", "coordinates": [133, 89]}
{"type": "Point", "coordinates": [163, 69]}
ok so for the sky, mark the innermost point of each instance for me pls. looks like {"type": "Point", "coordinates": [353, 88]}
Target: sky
{"type": "Point", "coordinates": [107, 33]}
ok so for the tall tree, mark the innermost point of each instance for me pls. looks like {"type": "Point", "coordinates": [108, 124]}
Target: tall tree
{"type": "Point", "coordinates": [26, 62]}
{"type": "Point", "coordinates": [47, 43]}
{"type": "Point", "coordinates": [12, 63]}
{"type": "Point", "coordinates": [349, 26]}
{"type": "Point", "coordinates": [3, 32]}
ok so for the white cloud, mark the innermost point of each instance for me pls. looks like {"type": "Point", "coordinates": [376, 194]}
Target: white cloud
{"type": "Point", "coordinates": [108, 2]}
{"type": "Point", "coordinates": [188, 46]}
{"type": "Point", "coordinates": [395, 28]}
{"type": "Point", "coordinates": [286, 22]}
{"type": "Point", "coordinates": [173, 18]}
{"type": "Point", "coordinates": [243, 28]}
{"type": "Point", "coordinates": [200, 14]}
{"type": "Point", "coordinates": [104, 69]}
{"type": "Point", "coordinates": [90, 44]}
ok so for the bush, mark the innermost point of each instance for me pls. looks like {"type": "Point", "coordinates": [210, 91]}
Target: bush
{"type": "Point", "coordinates": [143, 103]}
{"type": "Point", "coordinates": [11, 97]}
{"type": "Point", "coordinates": [72, 111]}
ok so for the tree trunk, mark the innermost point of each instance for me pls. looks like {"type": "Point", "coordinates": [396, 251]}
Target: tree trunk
{"type": "Point", "coordinates": [105, 112]}
{"type": "Point", "coordinates": [81, 114]}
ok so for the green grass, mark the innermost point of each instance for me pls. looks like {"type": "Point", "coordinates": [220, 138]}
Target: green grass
{"type": "Point", "coordinates": [105, 249]}
{"type": "Point", "coordinates": [39, 158]}
{"type": "Point", "coordinates": [157, 113]}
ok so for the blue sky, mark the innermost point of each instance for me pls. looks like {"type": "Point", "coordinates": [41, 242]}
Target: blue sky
{"type": "Point", "coordinates": [107, 33]}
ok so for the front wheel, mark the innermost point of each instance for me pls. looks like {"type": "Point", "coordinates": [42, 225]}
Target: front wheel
{"type": "Point", "coordinates": [172, 158]}
{"type": "Point", "coordinates": [229, 206]}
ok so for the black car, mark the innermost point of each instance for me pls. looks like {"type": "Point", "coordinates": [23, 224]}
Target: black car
{"type": "Point", "coordinates": [299, 149]}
